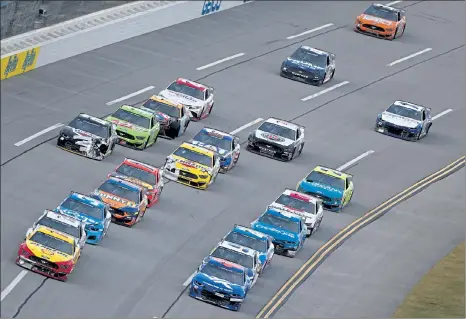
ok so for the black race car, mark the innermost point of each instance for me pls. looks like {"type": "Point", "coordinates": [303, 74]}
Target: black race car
{"type": "Point", "coordinates": [88, 136]}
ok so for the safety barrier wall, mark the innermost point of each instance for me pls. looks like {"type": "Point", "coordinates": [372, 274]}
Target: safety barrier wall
{"type": "Point", "coordinates": [91, 38]}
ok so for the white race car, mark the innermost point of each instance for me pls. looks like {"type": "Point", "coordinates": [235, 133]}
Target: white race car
{"type": "Point", "coordinates": [196, 97]}
{"type": "Point", "coordinates": [306, 206]}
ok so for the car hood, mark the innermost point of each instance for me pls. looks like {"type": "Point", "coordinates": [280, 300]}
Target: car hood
{"type": "Point", "coordinates": [182, 163]}
{"type": "Point", "coordinates": [88, 220]}
{"type": "Point", "coordinates": [117, 202]}
{"type": "Point", "coordinates": [127, 126]}
{"type": "Point", "coordinates": [321, 189]}
{"type": "Point", "coordinates": [294, 211]}
{"type": "Point", "coordinates": [214, 148]}
{"type": "Point", "coordinates": [180, 98]}
{"type": "Point", "coordinates": [219, 284]}
{"type": "Point", "coordinates": [47, 253]}
{"type": "Point", "coordinates": [276, 233]}
{"type": "Point", "coordinates": [133, 180]}
{"type": "Point", "coordinates": [365, 18]}
{"type": "Point", "coordinates": [302, 65]}
{"type": "Point", "coordinates": [272, 138]}
{"type": "Point", "coordinates": [400, 120]}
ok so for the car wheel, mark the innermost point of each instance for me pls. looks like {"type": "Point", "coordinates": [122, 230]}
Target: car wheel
{"type": "Point", "coordinates": [301, 149]}
{"type": "Point", "coordinates": [428, 128]}
{"type": "Point", "coordinates": [293, 154]}
{"type": "Point", "coordinates": [418, 136]}
{"type": "Point", "coordinates": [333, 73]}
{"type": "Point", "coordinates": [145, 144]}
{"type": "Point", "coordinates": [321, 82]}
{"type": "Point", "coordinates": [236, 160]}
{"type": "Point", "coordinates": [211, 108]}
{"type": "Point", "coordinates": [403, 32]}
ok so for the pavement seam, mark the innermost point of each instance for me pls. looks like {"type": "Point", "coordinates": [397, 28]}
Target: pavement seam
{"type": "Point", "coordinates": [29, 297]}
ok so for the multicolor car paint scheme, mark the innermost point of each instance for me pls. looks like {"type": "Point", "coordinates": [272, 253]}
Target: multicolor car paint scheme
{"type": "Point", "coordinates": [260, 242]}
{"type": "Point", "coordinates": [220, 282]}
{"type": "Point", "coordinates": [49, 252]}
{"type": "Point", "coordinates": [127, 201]}
{"type": "Point", "coordinates": [135, 127]}
{"type": "Point", "coordinates": [381, 21]}
{"type": "Point", "coordinates": [288, 230]}
{"type": "Point", "coordinates": [92, 212]}
{"type": "Point", "coordinates": [192, 165]}
{"type": "Point", "coordinates": [142, 174]}
{"type": "Point", "coordinates": [227, 146]}
{"type": "Point", "coordinates": [334, 188]}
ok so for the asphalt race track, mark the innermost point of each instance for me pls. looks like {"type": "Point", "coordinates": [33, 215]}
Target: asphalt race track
{"type": "Point", "coordinates": [140, 272]}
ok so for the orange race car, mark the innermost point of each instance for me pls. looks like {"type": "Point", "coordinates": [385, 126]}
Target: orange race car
{"type": "Point", "coordinates": [381, 21]}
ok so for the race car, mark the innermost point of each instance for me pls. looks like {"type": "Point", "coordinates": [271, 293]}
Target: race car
{"type": "Point", "coordinates": [49, 252]}
{"type": "Point", "coordinates": [192, 165]}
{"type": "Point", "coordinates": [62, 223]}
{"type": "Point", "coordinates": [88, 136]}
{"type": "Point", "coordinates": [173, 118]}
{"type": "Point", "coordinates": [277, 139]}
{"type": "Point", "coordinates": [405, 120]}
{"type": "Point", "coordinates": [254, 240]}
{"type": "Point", "coordinates": [333, 187]}
{"type": "Point", "coordinates": [220, 282]}
{"type": "Point", "coordinates": [309, 65]}
{"type": "Point", "coordinates": [93, 213]}
{"type": "Point", "coordinates": [224, 144]}
{"type": "Point", "coordinates": [142, 174]}
{"type": "Point", "coordinates": [306, 206]}
{"type": "Point", "coordinates": [240, 255]}
{"type": "Point", "coordinates": [136, 128]}
{"type": "Point", "coordinates": [127, 202]}
{"type": "Point", "coordinates": [198, 98]}
{"type": "Point", "coordinates": [381, 21]}
{"type": "Point", "coordinates": [288, 230]}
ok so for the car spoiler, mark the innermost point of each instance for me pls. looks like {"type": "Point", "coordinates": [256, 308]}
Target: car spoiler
{"type": "Point", "coordinates": [140, 162]}
{"type": "Point", "coordinates": [334, 169]}
{"type": "Point", "coordinates": [211, 128]}
{"type": "Point", "coordinates": [276, 118]}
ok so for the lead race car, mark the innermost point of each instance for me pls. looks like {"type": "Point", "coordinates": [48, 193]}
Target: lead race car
{"type": "Point", "coordinates": [405, 120]}
{"type": "Point", "coordinates": [277, 139]}
{"type": "Point", "coordinates": [198, 98]}
{"type": "Point", "coordinates": [88, 136]}
{"type": "Point", "coordinates": [382, 21]}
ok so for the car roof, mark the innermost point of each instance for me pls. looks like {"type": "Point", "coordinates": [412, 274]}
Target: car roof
{"type": "Point", "coordinates": [250, 232]}
{"type": "Point", "coordinates": [226, 264]}
{"type": "Point", "coordinates": [86, 199]}
{"type": "Point", "coordinates": [193, 84]}
{"type": "Point", "coordinates": [282, 123]}
{"type": "Point", "coordinates": [382, 6]}
{"type": "Point", "coordinates": [198, 149]}
{"type": "Point", "coordinates": [55, 233]}
{"type": "Point", "coordinates": [164, 101]}
{"type": "Point", "coordinates": [141, 165]}
{"type": "Point", "coordinates": [94, 119]}
{"type": "Point", "coordinates": [300, 196]}
{"type": "Point", "coordinates": [217, 133]}
{"type": "Point", "coordinates": [331, 172]}
{"type": "Point", "coordinates": [118, 181]}
{"type": "Point", "coordinates": [237, 248]}
{"type": "Point", "coordinates": [137, 110]}
{"type": "Point", "coordinates": [314, 50]}
{"type": "Point", "coordinates": [63, 219]}
{"type": "Point", "coordinates": [282, 213]}
{"type": "Point", "coordinates": [409, 105]}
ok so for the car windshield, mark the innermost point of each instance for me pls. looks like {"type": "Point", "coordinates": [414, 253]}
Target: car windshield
{"type": "Point", "coordinates": [120, 191]}
{"type": "Point", "coordinates": [77, 206]}
{"type": "Point", "coordinates": [234, 277]}
{"type": "Point", "coordinates": [90, 127]}
{"type": "Point", "coordinates": [278, 130]}
{"type": "Point", "coordinates": [310, 57]}
{"type": "Point", "coordinates": [213, 139]}
{"type": "Point", "coordinates": [246, 241]}
{"type": "Point", "coordinates": [64, 228]}
{"type": "Point", "coordinates": [282, 223]}
{"type": "Point", "coordinates": [405, 112]}
{"type": "Point", "coordinates": [317, 177]}
{"type": "Point", "coordinates": [137, 173]}
{"type": "Point", "coordinates": [295, 203]}
{"type": "Point", "coordinates": [194, 156]}
{"type": "Point", "coordinates": [157, 106]}
{"type": "Point", "coordinates": [382, 13]}
{"type": "Point", "coordinates": [234, 256]}
{"type": "Point", "coordinates": [187, 90]}
{"type": "Point", "coordinates": [132, 118]}
{"type": "Point", "coordinates": [52, 242]}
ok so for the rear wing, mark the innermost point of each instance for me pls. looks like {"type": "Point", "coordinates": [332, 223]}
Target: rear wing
{"type": "Point", "coordinates": [226, 133]}
{"type": "Point", "coordinates": [141, 162]}
{"type": "Point", "coordinates": [334, 170]}
{"type": "Point", "coordinates": [276, 118]}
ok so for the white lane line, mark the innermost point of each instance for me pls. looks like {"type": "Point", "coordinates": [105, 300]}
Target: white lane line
{"type": "Point", "coordinates": [188, 281]}
{"type": "Point", "coordinates": [48, 129]}
{"type": "Point", "coordinates": [220, 61]}
{"type": "Point", "coordinates": [357, 159]}
{"type": "Point", "coordinates": [410, 56]}
{"type": "Point", "coordinates": [441, 114]}
{"type": "Point", "coordinates": [246, 126]}
{"type": "Point", "coordinates": [392, 3]}
{"type": "Point", "coordinates": [13, 284]}
{"type": "Point", "coordinates": [336, 86]}
{"type": "Point", "coordinates": [131, 95]}
{"type": "Point", "coordinates": [310, 31]}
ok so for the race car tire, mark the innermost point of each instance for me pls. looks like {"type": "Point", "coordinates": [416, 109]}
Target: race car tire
{"type": "Point", "coordinates": [418, 136]}
{"type": "Point", "coordinates": [428, 128]}
{"type": "Point", "coordinates": [145, 144]}
{"type": "Point", "coordinates": [301, 149]}
{"type": "Point", "coordinates": [403, 32]}
{"type": "Point", "coordinates": [236, 160]}
{"type": "Point", "coordinates": [321, 82]}
{"type": "Point", "coordinates": [292, 155]}
{"type": "Point", "coordinates": [211, 108]}
{"type": "Point", "coordinates": [333, 73]}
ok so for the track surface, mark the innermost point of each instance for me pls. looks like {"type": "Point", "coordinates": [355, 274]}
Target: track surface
{"type": "Point", "coordinates": [140, 272]}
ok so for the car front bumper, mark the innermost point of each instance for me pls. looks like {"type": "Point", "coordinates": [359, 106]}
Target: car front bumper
{"type": "Point", "coordinates": [274, 152]}
{"type": "Point", "coordinates": [398, 132]}
{"type": "Point", "coordinates": [43, 269]}
{"type": "Point", "coordinates": [369, 31]}
{"type": "Point", "coordinates": [308, 78]}
{"type": "Point", "coordinates": [221, 300]}
{"type": "Point", "coordinates": [129, 140]}
{"type": "Point", "coordinates": [93, 236]}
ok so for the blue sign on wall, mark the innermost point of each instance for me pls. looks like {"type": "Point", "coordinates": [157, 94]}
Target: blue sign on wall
{"type": "Point", "coordinates": [211, 6]}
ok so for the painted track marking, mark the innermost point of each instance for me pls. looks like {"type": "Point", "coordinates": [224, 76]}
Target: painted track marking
{"type": "Point", "coordinates": [131, 95]}
{"type": "Point", "coordinates": [410, 56]}
{"type": "Point", "coordinates": [392, 3]}
{"type": "Point", "coordinates": [220, 61]}
{"type": "Point", "coordinates": [441, 114]}
{"type": "Point", "coordinates": [336, 86]}
{"type": "Point", "coordinates": [246, 126]}
{"type": "Point", "coordinates": [310, 31]}
{"type": "Point", "coordinates": [354, 160]}
{"type": "Point", "coordinates": [188, 281]}
{"type": "Point", "coordinates": [13, 284]}
{"type": "Point", "coordinates": [30, 138]}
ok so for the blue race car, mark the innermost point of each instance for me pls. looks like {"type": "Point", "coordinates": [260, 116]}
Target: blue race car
{"type": "Point", "coordinates": [220, 282]}
{"type": "Point", "coordinates": [92, 212]}
{"type": "Point", "coordinates": [225, 144]}
{"type": "Point", "coordinates": [255, 240]}
{"type": "Point", "coordinates": [309, 65]}
{"type": "Point", "coordinates": [288, 230]}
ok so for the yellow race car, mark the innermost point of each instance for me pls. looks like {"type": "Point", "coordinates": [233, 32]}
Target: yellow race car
{"type": "Point", "coordinates": [192, 165]}
{"type": "Point", "coordinates": [49, 252]}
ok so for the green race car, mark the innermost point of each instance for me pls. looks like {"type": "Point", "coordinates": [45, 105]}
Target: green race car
{"type": "Point", "coordinates": [136, 128]}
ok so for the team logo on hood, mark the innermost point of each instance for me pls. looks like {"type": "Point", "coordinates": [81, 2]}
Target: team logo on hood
{"type": "Point", "coordinates": [273, 137]}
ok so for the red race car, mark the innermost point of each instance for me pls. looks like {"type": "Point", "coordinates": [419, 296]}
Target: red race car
{"type": "Point", "coordinates": [142, 174]}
